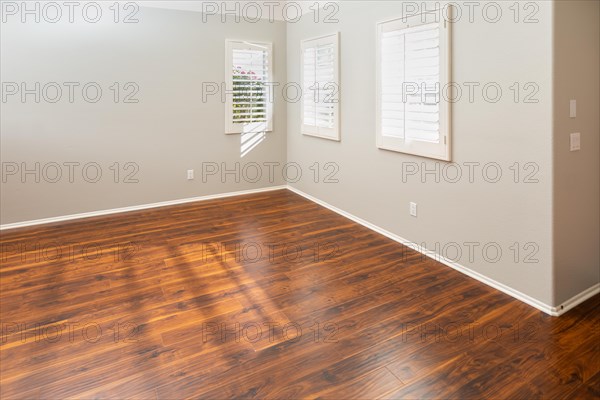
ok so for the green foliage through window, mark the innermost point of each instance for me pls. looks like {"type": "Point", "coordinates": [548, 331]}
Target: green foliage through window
{"type": "Point", "coordinates": [249, 97]}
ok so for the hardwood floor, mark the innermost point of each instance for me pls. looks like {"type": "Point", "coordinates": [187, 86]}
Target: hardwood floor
{"type": "Point", "coordinates": [268, 296]}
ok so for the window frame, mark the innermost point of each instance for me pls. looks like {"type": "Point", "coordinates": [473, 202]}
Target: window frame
{"type": "Point", "coordinates": [314, 130]}
{"type": "Point", "coordinates": [230, 46]}
{"type": "Point", "coordinates": [441, 150]}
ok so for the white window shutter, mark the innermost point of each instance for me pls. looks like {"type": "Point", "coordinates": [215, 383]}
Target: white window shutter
{"type": "Point", "coordinates": [413, 57]}
{"type": "Point", "coordinates": [320, 87]}
{"type": "Point", "coordinates": [248, 98]}
{"type": "Point", "coordinates": [308, 81]}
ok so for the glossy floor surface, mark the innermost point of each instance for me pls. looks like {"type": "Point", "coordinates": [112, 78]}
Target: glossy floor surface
{"type": "Point", "coordinates": [268, 296]}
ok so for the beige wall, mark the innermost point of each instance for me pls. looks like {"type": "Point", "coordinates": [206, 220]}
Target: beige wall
{"type": "Point", "coordinates": [576, 174]}
{"type": "Point", "coordinates": [169, 54]}
{"type": "Point", "coordinates": [486, 214]}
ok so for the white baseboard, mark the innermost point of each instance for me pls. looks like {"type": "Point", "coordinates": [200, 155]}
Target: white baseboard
{"type": "Point", "coordinates": [550, 310]}
{"type": "Point", "coordinates": [134, 208]}
{"type": "Point", "coordinates": [576, 300]}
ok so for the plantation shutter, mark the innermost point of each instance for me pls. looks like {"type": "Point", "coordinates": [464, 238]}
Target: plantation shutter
{"type": "Point", "coordinates": [410, 81]}
{"type": "Point", "coordinates": [308, 83]}
{"type": "Point", "coordinates": [320, 87]}
{"type": "Point", "coordinates": [248, 97]}
{"type": "Point", "coordinates": [413, 55]}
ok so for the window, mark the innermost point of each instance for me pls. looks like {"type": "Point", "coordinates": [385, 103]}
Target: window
{"type": "Point", "coordinates": [413, 73]}
{"type": "Point", "coordinates": [320, 87]}
{"type": "Point", "coordinates": [248, 102]}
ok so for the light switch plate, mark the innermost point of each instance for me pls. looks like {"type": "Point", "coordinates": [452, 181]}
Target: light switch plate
{"type": "Point", "coordinates": [573, 108]}
{"type": "Point", "coordinates": [575, 141]}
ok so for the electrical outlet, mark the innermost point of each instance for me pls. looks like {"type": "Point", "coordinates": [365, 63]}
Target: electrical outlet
{"type": "Point", "coordinates": [573, 108]}
{"type": "Point", "coordinates": [413, 209]}
{"type": "Point", "coordinates": [190, 174]}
